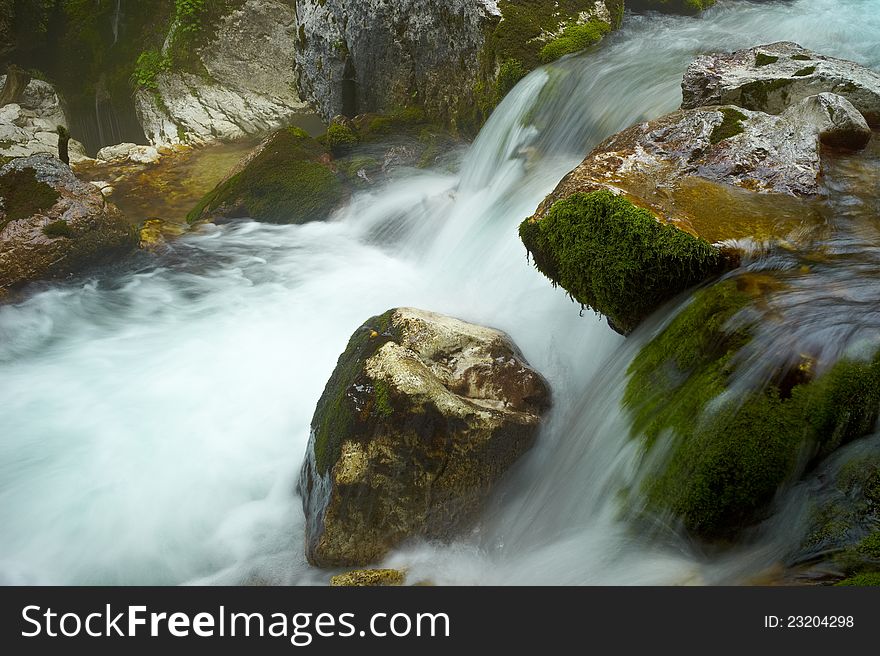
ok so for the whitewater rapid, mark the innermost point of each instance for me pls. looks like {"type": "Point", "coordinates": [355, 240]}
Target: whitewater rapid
{"type": "Point", "coordinates": [153, 419]}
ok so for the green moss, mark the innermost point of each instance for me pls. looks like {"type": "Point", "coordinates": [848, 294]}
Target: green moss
{"type": "Point", "coordinates": [516, 45]}
{"type": "Point", "coordinates": [58, 229]}
{"type": "Point", "coordinates": [24, 196]}
{"type": "Point", "coordinates": [284, 183]}
{"type": "Point", "coordinates": [509, 75]}
{"type": "Point", "coordinates": [371, 127]}
{"type": "Point", "coordinates": [681, 370]}
{"type": "Point", "coordinates": [383, 399]}
{"type": "Point", "coordinates": [728, 453]}
{"type": "Point", "coordinates": [729, 127]}
{"type": "Point", "coordinates": [870, 546]}
{"type": "Point", "coordinates": [844, 403]}
{"type": "Point", "coordinates": [804, 72]}
{"type": "Point", "coordinates": [574, 38]}
{"type": "Point", "coordinates": [150, 64]}
{"type": "Point", "coordinates": [762, 59]}
{"type": "Point", "coordinates": [349, 397]}
{"type": "Point", "coordinates": [866, 580]}
{"type": "Point", "coordinates": [755, 94]}
{"type": "Point", "coordinates": [194, 25]}
{"type": "Point", "coordinates": [352, 165]}
{"type": "Point", "coordinates": [614, 257]}
{"type": "Point", "coordinates": [801, 58]}
{"type": "Point", "coordinates": [340, 138]}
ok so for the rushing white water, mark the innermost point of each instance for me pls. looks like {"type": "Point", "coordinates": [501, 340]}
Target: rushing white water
{"type": "Point", "coordinates": [153, 421]}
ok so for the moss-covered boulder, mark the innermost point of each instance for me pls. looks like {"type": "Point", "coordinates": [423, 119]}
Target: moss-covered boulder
{"type": "Point", "coordinates": [289, 178]}
{"type": "Point", "coordinates": [615, 257]}
{"type": "Point", "coordinates": [421, 417]}
{"type": "Point", "coordinates": [671, 6]}
{"type": "Point", "coordinates": [53, 225]}
{"type": "Point", "coordinates": [718, 451]}
{"type": "Point", "coordinates": [703, 176]}
{"type": "Point", "coordinates": [773, 77]}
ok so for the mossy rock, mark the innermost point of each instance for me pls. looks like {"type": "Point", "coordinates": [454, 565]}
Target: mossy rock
{"type": "Point", "coordinates": [615, 257]}
{"type": "Point", "coordinates": [725, 452]}
{"type": "Point", "coordinates": [529, 34]}
{"type": "Point", "coordinates": [53, 225]}
{"type": "Point", "coordinates": [671, 6]}
{"type": "Point", "coordinates": [23, 195]}
{"type": "Point", "coordinates": [340, 138]}
{"type": "Point", "coordinates": [289, 179]}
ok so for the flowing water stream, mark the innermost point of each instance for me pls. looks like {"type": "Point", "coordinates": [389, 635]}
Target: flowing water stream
{"type": "Point", "coordinates": [154, 420]}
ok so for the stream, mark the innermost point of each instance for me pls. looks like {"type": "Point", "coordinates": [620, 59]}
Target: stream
{"type": "Point", "coordinates": [154, 417]}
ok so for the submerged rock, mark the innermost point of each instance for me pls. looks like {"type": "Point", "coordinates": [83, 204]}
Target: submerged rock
{"type": "Point", "coordinates": [841, 535]}
{"type": "Point", "coordinates": [719, 448]}
{"type": "Point", "coordinates": [773, 77]}
{"type": "Point", "coordinates": [52, 224]}
{"type": "Point", "coordinates": [615, 257]}
{"type": "Point", "coordinates": [289, 178]}
{"type": "Point", "coordinates": [30, 126]}
{"type": "Point", "coordinates": [421, 417]}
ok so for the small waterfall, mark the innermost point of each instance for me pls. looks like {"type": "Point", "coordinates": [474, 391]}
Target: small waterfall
{"type": "Point", "coordinates": [116, 15]}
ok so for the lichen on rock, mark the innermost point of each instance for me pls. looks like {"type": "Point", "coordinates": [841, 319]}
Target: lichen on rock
{"type": "Point", "coordinates": [615, 257]}
{"type": "Point", "coordinates": [771, 78]}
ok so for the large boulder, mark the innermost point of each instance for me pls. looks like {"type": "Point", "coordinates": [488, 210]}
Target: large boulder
{"type": "Point", "coordinates": [773, 77]}
{"type": "Point", "coordinates": [30, 125]}
{"type": "Point", "coordinates": [455, 58]}
{"type": "Point", "coordinates": [288, 178]}
{"type": "Point", "coordinates": [686, 180]}
{"type": "Point", "coordinates": [421, 417]}
{"type": "Point", "coordinates": [53, 224]}
{"type": "Point", "coordinates": [235, 80]}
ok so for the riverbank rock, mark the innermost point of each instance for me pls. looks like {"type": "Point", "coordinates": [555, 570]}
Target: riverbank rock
{"type": "Point", "coordinates": [373, 56]}
{"type": "Point", "coordinates": [289, 178]}
{"type": "Point", "coordinates": [30, 126]}
{"type": "Point", "coordinates": [421, 417]}
{"type": "Point", "coordinates": [236, 80]}
{"type": "Point", "coordinates": [711, 174]}
{"type": "Point", "coordinates": [718, 447]}
{"type": "Point", "coordinates": [53, 225]}
{"type": "Point", "coordinates": [773, 77]}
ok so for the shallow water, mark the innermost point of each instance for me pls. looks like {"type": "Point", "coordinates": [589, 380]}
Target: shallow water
{"type": "Point", "coordinates": [154, 419]}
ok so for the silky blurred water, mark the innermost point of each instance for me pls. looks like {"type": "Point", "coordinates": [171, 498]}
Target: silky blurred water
{"type": "Point", "coordinates": [153, 420]}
